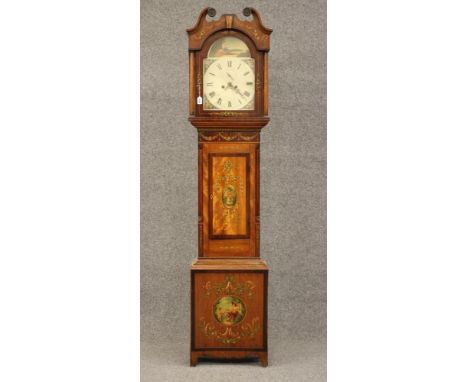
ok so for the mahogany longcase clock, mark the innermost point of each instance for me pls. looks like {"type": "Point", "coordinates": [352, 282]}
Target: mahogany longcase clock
{"type": "Point", "coordinates": [228, 104]}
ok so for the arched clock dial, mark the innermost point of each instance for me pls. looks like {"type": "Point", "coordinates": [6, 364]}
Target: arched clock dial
{"type": "Point", "coordinates": [229, 83]}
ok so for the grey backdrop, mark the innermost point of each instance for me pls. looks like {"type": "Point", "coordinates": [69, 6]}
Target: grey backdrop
{"type": "Point", "coordinates": [293, 190]}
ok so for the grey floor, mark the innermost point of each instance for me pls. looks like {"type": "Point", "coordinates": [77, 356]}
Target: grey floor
{"type": "Point", "coordinates": [288, 361]}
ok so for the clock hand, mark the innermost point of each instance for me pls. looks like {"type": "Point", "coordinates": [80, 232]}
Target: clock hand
{"type": "Point", "coordinates": [238, 91]}
{"type": "Point", "coordinates": [230, 86]}
{"type": "Point", "coordinates": [230, 76]}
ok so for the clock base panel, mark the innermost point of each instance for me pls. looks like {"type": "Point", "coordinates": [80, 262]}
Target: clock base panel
{"type": "Point", "coordinates": [229, 309]}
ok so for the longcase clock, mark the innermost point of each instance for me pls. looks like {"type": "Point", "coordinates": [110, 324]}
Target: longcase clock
{"type": "Point", "coordinates": [228, 104]}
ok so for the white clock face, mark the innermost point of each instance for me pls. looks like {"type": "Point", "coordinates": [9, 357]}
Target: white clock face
{"type": "Point", "coordinates": [229, 83]}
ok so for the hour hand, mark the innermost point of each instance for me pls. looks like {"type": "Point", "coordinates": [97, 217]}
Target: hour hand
{"type": "Point", "coordinates": [230, 76]}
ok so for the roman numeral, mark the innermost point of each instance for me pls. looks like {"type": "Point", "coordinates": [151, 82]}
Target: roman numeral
{"type": "Point", "coordinates": [219, 66]}
{"type": "Point", "coordinates": [229, 104]}
{"type": "Point", "coordinates": [249, 83]}
{"type": "Point", "coordinates": [239, 101]}
{"type": "Point", "coordinates": [239, 66]}
{"type": "Point", "coordinates": [246, 73]}
{"type": "Point", "coordinates": [246, 93]}
{"type": "Point", "coordinates": [209, 84]}
{"type": "Point", "coordinates": [211, 73]}
{"type": "Point", "coordinates": [219, 101]}
{"type": "Point", "coordinates": [229, 64]}
{"type": "Point", "coordinates": [212, 94]}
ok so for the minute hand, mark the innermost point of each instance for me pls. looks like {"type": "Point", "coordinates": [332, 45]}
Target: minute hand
{"type": "Point", "coordinates": [238, 91]}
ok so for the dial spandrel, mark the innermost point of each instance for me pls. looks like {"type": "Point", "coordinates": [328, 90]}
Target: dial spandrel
{"type": "Point", "coordinates": [228, 83]}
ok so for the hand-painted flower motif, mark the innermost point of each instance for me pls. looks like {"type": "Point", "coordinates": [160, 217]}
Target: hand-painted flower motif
{"type": "Point", "coordinates": [228, 286]}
